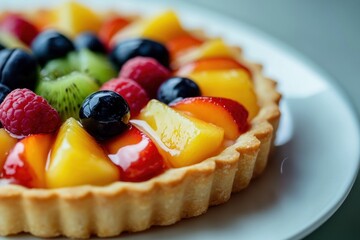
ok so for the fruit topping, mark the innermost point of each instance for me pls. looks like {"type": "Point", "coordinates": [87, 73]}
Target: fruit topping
{"type": "Point", "coordinates": [184, 140]}
{"type": "Point", "coordinates": [26, 163]}
{"type": "Point", "coordinates": [110, 27]}
{"type": "Point", "coordinates": [94, 64]}
{"type": "Point", "coordinates": [10, 41]}
{"type": "Point", "coordinates": [50, 45]}
{"type": "Point", "coordinates": [73, 18]}
{"type": "Point", "coordinates": [1, 47]}
{"type": "Point", "coordinates": [177, 88]}
{"type": "Point", "coordinates": [234, 84]}
{"type": "Point", "coordinates": [131, 91]}
{"type": "Point", "coordinates": [66, 93]}
{"type": "Point", "coordinates": [146, 71]}
{"type": "Point", "coordinates": [23, 113]}
{"type": "Point", "coordinates": [76, 159]}
{"type": "Point", "coordinates": [181, 43]}
{"type": "Point", "coordinates": [162, 27]}
{"type": "Point", "coordinates": [19, 28]}
{"type": "Point", "coordinates": [209, 49]}
{"type": "Point", "coordinates": [105, 114]}
{"type": "Point", "coordinates": [18, 69]}
{"type": "Point", "coordinates": [4, 91]}
{"type": "Point", "coordinates": [208, 64]}
{"type": "Point", "coordinates": [225, 113]}
{"type": "Point", "coordinates": [127, 49]}
{"type": "Point", "coordinates": [136, 155]}
{"type": "Point", "coordinates": [7, 143]}
{"type": "Point", "coordinates": [90, 41]}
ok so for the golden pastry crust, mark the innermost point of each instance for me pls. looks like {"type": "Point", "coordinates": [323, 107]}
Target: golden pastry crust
{"type": "Point", "coordinates": [80, 212]}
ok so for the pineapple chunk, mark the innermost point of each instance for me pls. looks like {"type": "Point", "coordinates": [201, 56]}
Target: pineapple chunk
{"type": "Point", "coordinates": [185, 140]}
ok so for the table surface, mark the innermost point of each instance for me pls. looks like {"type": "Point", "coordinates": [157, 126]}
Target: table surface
{"type": "Point", "coordinates": [327, 32]}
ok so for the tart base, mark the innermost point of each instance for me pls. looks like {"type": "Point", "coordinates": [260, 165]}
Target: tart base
{"type": "Point", "coordinates": [80, 212]}
{"type": "Point", "coordinates": [178, 193]}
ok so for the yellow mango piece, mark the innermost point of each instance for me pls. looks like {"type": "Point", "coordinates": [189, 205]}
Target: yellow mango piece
{"type": "Point", "coordinates": [215, 48]}
{"type": "Point", "coordinates": [74, 18]}
{"type": "Point", "coordinates": [76, 159]}
{"type": "Point", "coordinates": [209, 49]}
{"type": "Point", "coordinates": [6, 144]}
{"type": "Point", "coordinates": [234, 84]}
{"type": "Point", "coordinates": [161, 28]}
{"type": "Point", "coordinates": [183, 140]}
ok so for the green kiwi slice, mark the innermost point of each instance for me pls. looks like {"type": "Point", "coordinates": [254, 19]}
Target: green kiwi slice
{"type": "Point", "coordinates": [57, 68]}
{"type": "Point", "coordinates": [66, 82]}
{"type": "Point", "coordinates": [94, 64]}
{"type": "Point", "coordinates": [66, 93]}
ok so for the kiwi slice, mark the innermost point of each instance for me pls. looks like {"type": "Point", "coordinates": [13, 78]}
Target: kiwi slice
{"type": "Point", "coordinates": [66, 93]}
{"type": "Point", "coordinates": [57, 68]}
{"type": "Point", "coordinates": [94, 64]}
{"type": "Point", "coordinates": [66, 82]}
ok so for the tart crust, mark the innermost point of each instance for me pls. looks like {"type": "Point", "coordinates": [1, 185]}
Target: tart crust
{"type": "Point", "coordinates": [80, 212]}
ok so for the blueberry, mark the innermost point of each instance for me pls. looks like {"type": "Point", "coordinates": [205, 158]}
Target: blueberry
{"type": "Point", "coordinates": [104, 114]}
{"type": "Point", "coordinates": [18, 69]}
{"type": "Point", "coordinates": [131, 48]}
{"type": "Point", "coordinates": [4, 91]}
{"type": "Point", "coordinates": [1, 47]}
{"type": "Point", "coordinates": [90, 41]}
{"type": "Point", "coordinates": [50, 45]}
{"type": "Point", "coordinates": [177, 88]}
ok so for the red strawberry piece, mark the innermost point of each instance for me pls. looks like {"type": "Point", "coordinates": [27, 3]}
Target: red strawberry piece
{"type": "Point", "coordinates": [146, 71]}
{"type": "Point", "coordinates": [130, 90]}
{"type": "Point", "coordinates": [20, 28]}
{"type": "Point", "coordinates": [23, 113]}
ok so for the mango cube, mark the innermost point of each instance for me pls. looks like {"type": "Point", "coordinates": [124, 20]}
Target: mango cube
{"type": "Point", "coordinates": [234, 84]}
{"type": "Point", "coordinates": [76, 159]}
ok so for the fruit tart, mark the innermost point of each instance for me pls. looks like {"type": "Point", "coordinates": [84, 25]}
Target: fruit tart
{"type": "Point", "coordinates": [114, 123]}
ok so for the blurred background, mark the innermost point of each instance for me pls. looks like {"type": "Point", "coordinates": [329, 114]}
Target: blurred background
{"type": "Point", "coordinates": [327, 32]}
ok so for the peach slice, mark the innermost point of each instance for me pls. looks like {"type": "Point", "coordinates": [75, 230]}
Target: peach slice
{"type": "Point", "coordinates": [225, 113]}
{"type": "Point", "coordinates": [208, 64]}
{"type": "Point", "coordinates": [7, 143]}
{"type": "Point", "coordinates": [110, 27]}
{"type": "Point", "coordinates": [25, 165]}
{"type": "Point", "coordinates": [77, 159]}
{"type": "Point", "coordinates": [43, 18]}
{"type": "Point", "coordinates": [183, 140]}
{"type": "Point", "coordinates": [136, 155]}
{"type": "Point", "coordinates": [181, 43]}
{"type": "Point", "coordinates": [234, 84]}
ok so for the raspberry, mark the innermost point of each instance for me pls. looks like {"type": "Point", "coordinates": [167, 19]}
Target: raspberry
{"type": "Point", "coordinates": [130, 90]}
{"type": "Point", "coordinates": [146, 71]}
{"type": "Point", "coordinates": [23, 113]}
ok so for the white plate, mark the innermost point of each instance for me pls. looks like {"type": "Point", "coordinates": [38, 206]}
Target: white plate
{"type": "Point", "coordinates": [317, 154]}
